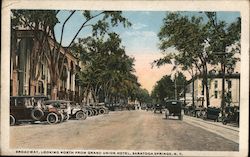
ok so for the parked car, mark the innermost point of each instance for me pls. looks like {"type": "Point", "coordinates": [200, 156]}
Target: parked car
{"type": "Point", "coordinates": [232, 114]}
{"type": "Point", "coordinates": [77, 112]}
{"type": "Point", "coordinates": [174, 108]}
{"type": "Point", "coordinates": [32, 108]}
{"type": "Point", "coordinates": [211, 113]}
{"type": "Point", "coordinates": [102, 108]}
{"type": "Point", "coordinates": [199, 111]}
{"type": "Point", "coordinates": [158, 107]}
{"type": "Point", "coordinates": [60, 105]}
{"type": "Point", "coordinates": [69, 109]}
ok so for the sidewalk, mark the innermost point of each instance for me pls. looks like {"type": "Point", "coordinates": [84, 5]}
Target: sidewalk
{"type": "Point", "coordinates": [226, 131]}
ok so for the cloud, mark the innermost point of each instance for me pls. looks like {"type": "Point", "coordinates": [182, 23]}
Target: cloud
{"type": "Point", "coordinates": [138, 26]}
{"type": "Point", "coordinates": [139, 34]}
{"type": "Point", "coordinates": [140, 41]}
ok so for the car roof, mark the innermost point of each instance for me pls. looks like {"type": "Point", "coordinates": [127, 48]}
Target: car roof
{"type": "Point", "coordinates": [28, 96]}
{"type": "Point", "coordinates": [54, 101]}
{"type": "Point", "coordinates": [173, 100]}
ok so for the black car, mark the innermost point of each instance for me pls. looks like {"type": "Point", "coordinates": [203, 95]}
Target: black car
{"type": "Point", "coordinates": [174, 108]}
{"type": "Point", "coordinates": [31, 108]}
{"type": "Point", "coordinates": [232, 115]}
{"type": "Point", "coordinates": [158, 107]}
{"type": "Point", "coordinates": [211, 113]}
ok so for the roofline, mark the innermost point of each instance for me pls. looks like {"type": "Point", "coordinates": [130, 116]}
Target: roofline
{"type": "Point", "coordinates": [217, 76]}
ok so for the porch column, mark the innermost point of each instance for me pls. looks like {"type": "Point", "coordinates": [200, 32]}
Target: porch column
{"type": "Point", "coordinates": [68, 81]}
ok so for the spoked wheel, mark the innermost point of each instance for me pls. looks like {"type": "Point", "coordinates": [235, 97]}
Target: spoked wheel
{"type": "Point", "coordinates": [52, 118]}
{"type": "Point", "coordinates": [167, 114]}
{"type": "Point", "coordinates": [90, 113]}
{"type": "Point", "coordinates": [12, 120]}
{"type": "Point", "coordinates": [95, 112]}
{"type": "Point", "coordinates": [101, 111]}
{"type": "Point", "coordinates": [37, 114]}
{"type": "Point", "coordinates": [81, 115]}
{"type": "Point", "coordinates": [66, 117]}
{"type": "Point", "coordinates": [61, 118]}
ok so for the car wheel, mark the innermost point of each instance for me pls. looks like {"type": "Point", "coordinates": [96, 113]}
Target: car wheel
{"type": "Point", "coordinates": [61, 118]}
{"type": "Point", "coordinates": [66, 117]}
{"type": "Point", "coordinates": [101, 111]}
{"type": "Point", "coordinates": [106, 111]}
{"type": "Point", "coordinates": [167, 113]}
{"type": "Point", "coordinates": [52, 118]}
{"type": "Point", "coordinates": [37, 114]}
{"type": "Point", "coordinates": [90, 113]}
{"type": "Point", "coordinates": [95, 112]}
{"type": "Point", "coordinates": [12, 120]}
{"type": "Point", "coordinates": [224, 122]}
{"type": "Point", "coordinates": [80, 115]}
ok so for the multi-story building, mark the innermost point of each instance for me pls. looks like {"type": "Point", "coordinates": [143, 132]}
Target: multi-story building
{"type": "Point", "coordinates": [32, 77]}
{"type": "Point", "coordinates": [231, 90]}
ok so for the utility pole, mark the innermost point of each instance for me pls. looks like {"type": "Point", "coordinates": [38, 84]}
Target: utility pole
{"type": "Point", "coordinates": [175, 87]}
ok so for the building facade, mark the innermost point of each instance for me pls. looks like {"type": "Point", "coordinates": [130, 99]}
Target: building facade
{"type": "Point", "coordinates": [231, 90]}
{"type": "Point", "coordinates": [29, 76]}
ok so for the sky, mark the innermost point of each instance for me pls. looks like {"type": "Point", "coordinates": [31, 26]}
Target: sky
{"type": "Point", "coordinates": [140, 40]}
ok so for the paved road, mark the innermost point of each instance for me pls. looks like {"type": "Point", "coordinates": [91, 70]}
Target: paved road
{"type": "Point", "coordinates": [126, 130]}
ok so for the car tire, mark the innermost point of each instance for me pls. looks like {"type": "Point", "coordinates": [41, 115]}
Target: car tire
{"type": "Point", "coordinates": [167, 114]}
{"type": "Point", "coordinates": [61, 118]}
{"type": "Point", "coordinates": [52, 118]}
{"type": "Point", "coordinates": [66, 117]}
{"type": "Point", "coordinates": [90, 113]}
{"type": "Point", "coordinates": [101, 111]}
{"type": "Point", "coordinates": [37, 114]}
{"type": "Point", "coordinates": [80, 115]}
{"type": "Point", "coordinates": [224, 122]}
{"type": "Point", "coordinates": [12, 120]}
{"type": "Point", "coordinates": [95, 112]}
{"type": "Point", "coordinates": [106, 111]}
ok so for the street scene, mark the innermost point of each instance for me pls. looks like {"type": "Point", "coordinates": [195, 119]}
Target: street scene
{"type": "Point", "coordinates": [129, 130]}
{"type": "Point", "coordinates": [125, 80]}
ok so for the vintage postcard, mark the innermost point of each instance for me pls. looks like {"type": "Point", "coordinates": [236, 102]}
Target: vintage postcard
{"type": "Point", "coordinates": [125, 78]}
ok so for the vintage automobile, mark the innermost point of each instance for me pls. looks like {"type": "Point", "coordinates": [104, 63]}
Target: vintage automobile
{"type": "Point", "coordinates": [158, 107]}
{"type": "Point", "coordinates": [102, 108]}
{"type": "Point", "coordinates": [211, 113]}
{"type": "Point", "coordinates": [61, 106]}
{"type": "Point", "coordinates": [174, 108]}
{"type": "Point", "coordinates": [69, 109]}
{"type": "Point", "coordinates": [232, 114]}
{"type": "Point", "coordinates": [77, 112]}
{"type": "Point", "coordinates": [31, 109]}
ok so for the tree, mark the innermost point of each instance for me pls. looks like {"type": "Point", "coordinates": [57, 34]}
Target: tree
{"type": "Point", "coordinates": [45, 21]}
{"type": "Point", "coordinates": [224, 44]}
{"type": "Point", "coordinates": [40, 22]}
{"type": "Point", "coordinates": [143, 96]}
{"type": "Point", "coordinates": [193, 38]}
{"type": "Point", "coordinates": [108, 71]}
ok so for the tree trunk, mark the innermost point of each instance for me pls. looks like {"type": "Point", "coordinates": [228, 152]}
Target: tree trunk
{"type": "Point", "coordinates": [206, 86]}
{"type": "Point", "coordinates": [54, 92]}
{"type": "Point", "coordinates": [32, 87]}
{"type": "Point", "coordinates": [193, 90]}
{"type": "Point", "coordinates": [14, 83]}
{"type": "Point", "coordinates": [223, 89]}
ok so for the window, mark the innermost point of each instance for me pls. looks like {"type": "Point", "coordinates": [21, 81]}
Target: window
{"type": "Point", "coordinates": [229, 95]}
{"type": "Point", "coordinates": [215, 94]}
{"type": "Point", "coordinates": [229, 84]}
{"type": "Point", "coordinates": [216, 84]}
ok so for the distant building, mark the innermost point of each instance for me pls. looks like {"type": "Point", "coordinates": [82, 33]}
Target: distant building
{"type": "Point", "coordinates": [232, 90]}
